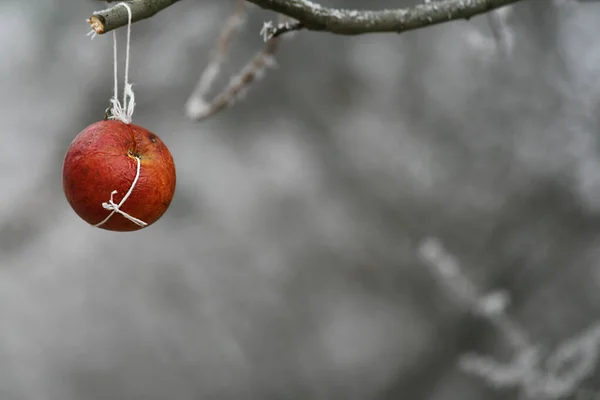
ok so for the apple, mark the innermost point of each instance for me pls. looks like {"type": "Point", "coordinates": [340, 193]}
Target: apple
{"type": "Point", "coordinates": [101, 166]}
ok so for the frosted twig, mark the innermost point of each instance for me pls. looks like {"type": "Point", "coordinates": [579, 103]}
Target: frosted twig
{"type": "Point", "coordinates": [198, 108]}
{"type": "Point", "coordinates": [502, 375]}
{"type": "Point", "coordinates": [447, 268]}
{"type": "Point", "coordinates": [270, 31]}
{"type": "Point", "coordinates": [213, 68]}
{"type": "Point", "coordinates": [538, 375]}
{"type": "Point", "coordinates": [573, 360]}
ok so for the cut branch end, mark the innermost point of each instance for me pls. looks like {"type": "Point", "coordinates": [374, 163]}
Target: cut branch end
{"type": "Point", "coordinates": [97, 24]}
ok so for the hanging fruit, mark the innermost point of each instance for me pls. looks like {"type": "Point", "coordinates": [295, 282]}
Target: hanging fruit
{"type": "Point", "coordinates": [118, 176]}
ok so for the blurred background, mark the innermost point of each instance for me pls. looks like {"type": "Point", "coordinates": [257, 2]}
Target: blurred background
{"type": "Point", "coordinates": [288, 265]}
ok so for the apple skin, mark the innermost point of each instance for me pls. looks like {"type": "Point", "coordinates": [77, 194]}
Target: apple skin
{"type": "Point", "coordinates": [102, 158]}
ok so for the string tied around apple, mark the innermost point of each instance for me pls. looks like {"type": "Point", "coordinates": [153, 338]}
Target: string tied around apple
{"type": "Point", "coordinates": [116, 208]}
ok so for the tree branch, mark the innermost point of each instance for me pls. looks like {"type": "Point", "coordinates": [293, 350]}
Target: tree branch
{"type": "Point", "coordinates": [315, 17]}
{"type": "Point", "coordinates": [115, 17]}
{"type": "Point", "coordinates": [355, 22]}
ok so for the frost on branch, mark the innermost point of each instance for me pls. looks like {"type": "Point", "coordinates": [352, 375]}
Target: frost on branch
{"type": "Point", "coordinates": [536, 372]}
{"type": "Point", "coordinates": [270, 31]}
{"type": "Point", "coordinates": [198, 106]}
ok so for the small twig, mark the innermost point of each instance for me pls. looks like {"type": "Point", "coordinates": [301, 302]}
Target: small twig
{"type": "Point", "coordinates": [198, 108]}
{"type": "Point", "coordinates": [213, 68]}
{"type": "Point", "coordinates": [270, 31]}
{"type": "Point", "coordinates": [537, 373]}
{"type": "Point", "coordinates": [490, 307]}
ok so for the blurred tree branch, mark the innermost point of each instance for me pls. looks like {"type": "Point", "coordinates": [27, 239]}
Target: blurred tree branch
{"type": "Point", "coordinates": [313, 16]}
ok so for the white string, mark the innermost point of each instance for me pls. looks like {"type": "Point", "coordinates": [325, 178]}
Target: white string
{"type": "Point", "coordinates": [115, 66]}
{"type": "Point", "coordinates": [127, 54]}
{"type": "Point", "coordinates": [123, 112]}
{"type": "Point", "coordinates": [91, 33]}
{"type": "Point", "coordinates": [116, 208]}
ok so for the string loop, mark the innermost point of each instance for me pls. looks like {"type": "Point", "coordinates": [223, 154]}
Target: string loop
{"type": "Point", "coordinates": [116, 208]}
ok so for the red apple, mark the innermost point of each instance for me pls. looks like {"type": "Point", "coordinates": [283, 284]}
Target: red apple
{"type": "Point", "coordinates": [104, 158]}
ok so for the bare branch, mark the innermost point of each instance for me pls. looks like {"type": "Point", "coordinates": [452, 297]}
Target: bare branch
{"type": "Point", "coordinates": [115, 17]}
{"type": "Point", "coordinates": [213, 68]}
{"type": "Point", "coordinates": [315, 17]}
{"type": "Point", "coordinates": [197, 106]}
{"type": "Point", "coordinates": [355, 22]}
{"type": "Point", "coordinates": [537, 373]}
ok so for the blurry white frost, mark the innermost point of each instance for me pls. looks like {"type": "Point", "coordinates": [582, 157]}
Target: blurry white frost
{"type": "Point", "coordinates": [538, 374]}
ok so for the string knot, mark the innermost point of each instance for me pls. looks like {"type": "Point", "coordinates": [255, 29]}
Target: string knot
{"type": "Point", "coordinates": [124, 112]}
{"type": "Point", "coordinates": [116, 208]}
{"type": "Point", "coordinates": [112, 206]}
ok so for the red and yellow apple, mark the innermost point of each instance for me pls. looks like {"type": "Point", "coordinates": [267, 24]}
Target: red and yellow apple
{"type": "Point", "coordinates": [104, 158]}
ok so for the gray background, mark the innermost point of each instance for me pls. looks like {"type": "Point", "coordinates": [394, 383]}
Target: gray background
{"type": "Point", "coordinates": [287, 265]}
